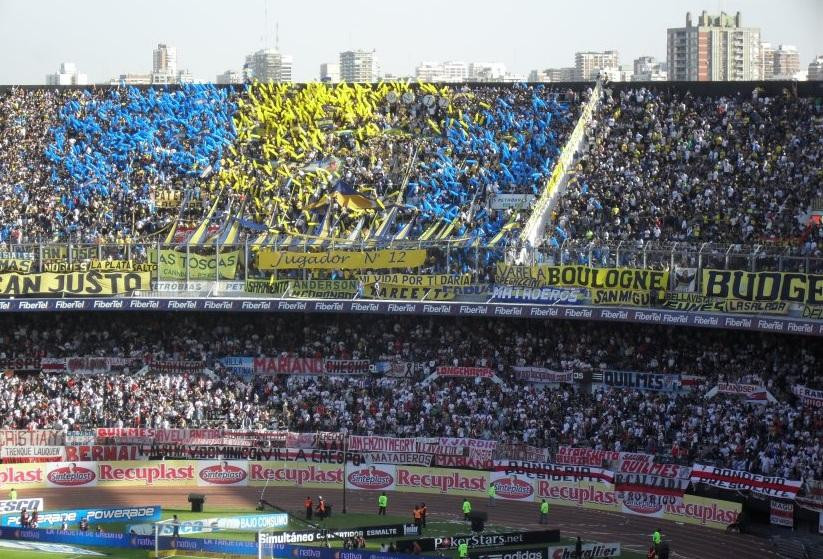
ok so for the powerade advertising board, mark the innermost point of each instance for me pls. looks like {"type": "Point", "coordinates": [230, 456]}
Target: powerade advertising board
{"type": "Point", "coordinates": [55, 518]}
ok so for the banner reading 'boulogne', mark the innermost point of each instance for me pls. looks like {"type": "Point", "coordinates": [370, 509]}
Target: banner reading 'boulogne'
{"type": "Point", "coordinates": [582, 276]}
{"type": "Point", "coordinates": [269, 259]}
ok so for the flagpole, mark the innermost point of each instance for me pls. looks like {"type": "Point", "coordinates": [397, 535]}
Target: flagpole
{"type": "Point", "coordinates": [345, 465]}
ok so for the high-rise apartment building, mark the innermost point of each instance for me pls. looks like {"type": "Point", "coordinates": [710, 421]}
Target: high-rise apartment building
{"type": "Point", "coordinates": [816, 69]}
{"type": "Point", "coordinates": [164, 60]}
{"type": "Point", "coordinates": [588, 65]}
{"type": "Point", "coordinates": [330, 72]}
{"type": "Point", "coordinates": [359, 66]}
{"type": "Point", "coordinates": [718, 48]}
{"type": "Point", "coordinates": [269, 65]}
{"type": "Point", "coordinates": [67, 75]}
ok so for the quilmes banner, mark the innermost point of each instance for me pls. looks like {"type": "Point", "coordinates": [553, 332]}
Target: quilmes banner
{"type": "Point", "coordinates": [55, 518]}
{"type": "Point", "coordinates": [173, 264]}
{"type": "Point", "coordinates": [790, 287]}
{"type": "Point", "coordinates": [270, 259]}
{"type": "Point", "coordinates": [658, 382]}
{"type": "Point", "coordinates": [74, 283]}
{"type": "Point", "coordinates": [724, 478]}
{"type": "Point", "coordinates": [582, 276]}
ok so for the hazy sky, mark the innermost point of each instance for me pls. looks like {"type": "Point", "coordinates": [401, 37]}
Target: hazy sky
{"type": "Point", "coordinates": [109, 37]}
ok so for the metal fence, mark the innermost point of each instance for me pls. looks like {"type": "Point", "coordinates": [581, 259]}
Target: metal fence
{"type": "Point", "coordinates": [239, 262]}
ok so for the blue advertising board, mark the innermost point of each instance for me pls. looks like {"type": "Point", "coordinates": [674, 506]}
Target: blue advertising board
{"type": "Point", "coordinates": [55, 518]}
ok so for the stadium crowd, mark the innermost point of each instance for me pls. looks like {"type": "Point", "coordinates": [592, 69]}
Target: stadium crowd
{"type": "Point", "coordinates": [667, 165]}
{"type": "Point", "coordinates": [782, 437]}
{"type": "Point", "coordinates": [384, 162]}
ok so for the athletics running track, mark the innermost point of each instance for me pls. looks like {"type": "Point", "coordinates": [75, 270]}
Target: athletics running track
{"type": "Point", "coordinates": [633, 532]}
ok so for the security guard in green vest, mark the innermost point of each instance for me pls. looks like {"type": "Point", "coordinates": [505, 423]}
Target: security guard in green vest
{"type": "Point", "coordinates": [467, 509]}
{"type": "Point", "coordinates": [463, 551]}
{"type": "Point", "coordinates": [12, 494]}
{"type": "Point", "coordinates": [544, 512]}
{"type": "Point", "coordinates": [382, 503]}
{"type": "Point", "coordinates": [492, 493]}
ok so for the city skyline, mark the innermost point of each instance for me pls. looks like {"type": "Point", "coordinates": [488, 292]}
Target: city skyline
{"type": "Point", "coordinates": [210, 40]}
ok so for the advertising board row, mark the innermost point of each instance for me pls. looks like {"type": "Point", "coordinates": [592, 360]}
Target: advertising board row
{"type": "Point", "coordinates": [576, 488]}
{"type": "Point", "coordinates": [444, 308]}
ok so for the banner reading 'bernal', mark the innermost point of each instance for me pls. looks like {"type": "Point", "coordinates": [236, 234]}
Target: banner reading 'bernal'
{"type": "Point", "coordinates": [764, 286]}
{"type": "Point", "coordinates": [269, 259]}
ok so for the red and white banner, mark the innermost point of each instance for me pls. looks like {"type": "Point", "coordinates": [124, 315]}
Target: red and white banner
{"type": "Point", "coordinates": [808, 396]}
{"type": "Point", "coordinates": [480, 444]}
{"type": "Point", "coordinates": [41, 437]}
{"type": "Point", "coordinates": [521, 451]}
{"type": "Point", "coordinates": [52, 364]}
{"type": "Point", "coordinates": [29, 454]}
{"type": "Point", "coordinates": [471, 372]}
{"type": "Point", "coordinates": [347, 366]}
{"type": "Point", "coordinates": [725, 478]}
{"type": "Point", "coordinates": [90, 365]}
{"type": "Point", "coordinates": [781, 513]}
{"type": "Point", "coordinates": [542, 375]}
{"type": "Point", "coordinates": [753, 393]}
{"type": "Point", "coordinates": [585, 456]}
{"type": "Point", "coordinates": [289, 365]}
{"type": "Point", "coordinates": [109, 453]}
{"type": "Point", "coordinates": [654, 479]}
{"type": "Point", "coordinates": [140, 435]}
{"type": "Point", "coordinates": [460, 461]}
{"type": "Point", "coordinates": [175, 366]}
{"type": "Point", "coordinates": [553, 472]}
{"type": "Point", "coordinates": [380, 444]}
